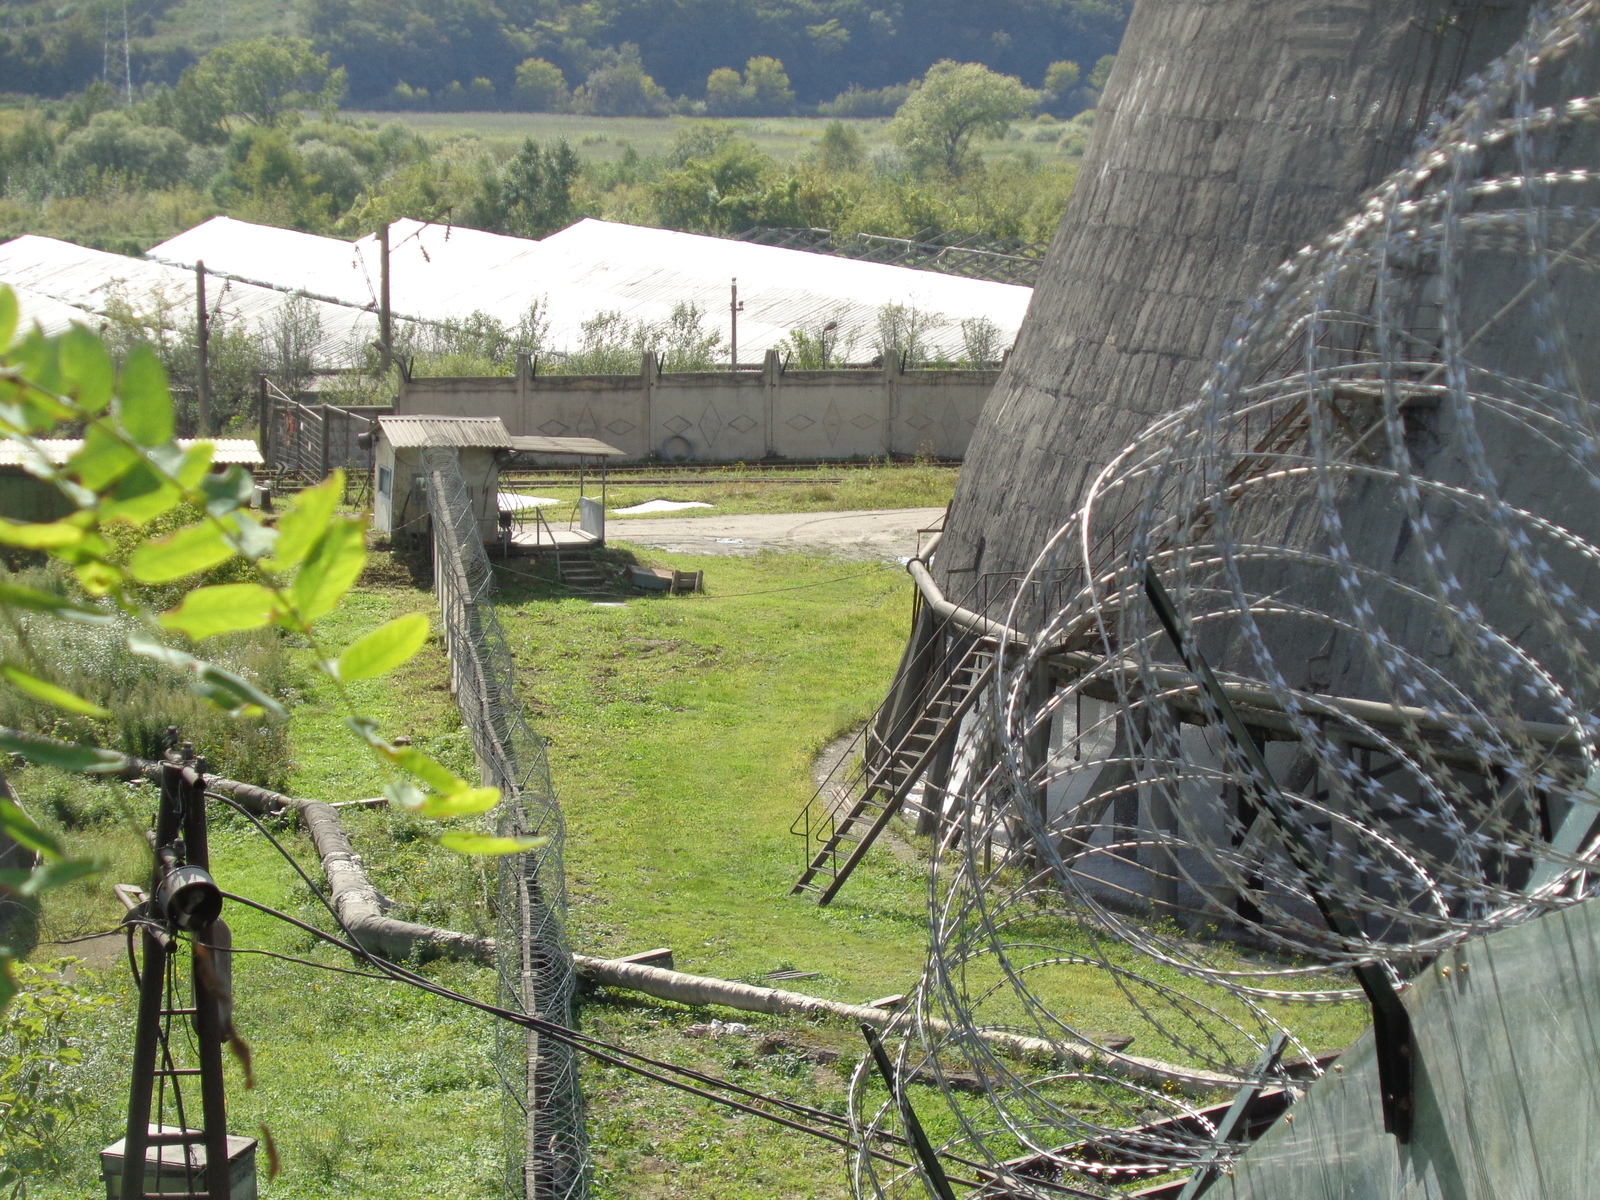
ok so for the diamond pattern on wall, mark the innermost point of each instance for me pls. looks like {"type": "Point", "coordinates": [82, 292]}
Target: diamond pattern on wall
{"type": "Point", "coordinates": [863, 421]}
{"type": "Point", "coordinates": [552, 429]}
{"type": "Point", "coordinates": [677, 425]}
{"type": "Point", "coordinates": [588, 425]}
{"type": "Point", "coordinates": [742, 423]}
{"type": "Point", "coordinates": [918, 422]}
{"type": "Point", "coordinates": [710, 424]}
{"type": "Point", "coordinates": [833, 422]}
{"type": "Point", "coordinates": [620, 427]}
{"type": "Point", "coordinates": [800, 423]}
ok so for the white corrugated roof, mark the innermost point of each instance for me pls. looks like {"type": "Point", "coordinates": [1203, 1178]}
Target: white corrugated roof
{"type": "Point", "coordinates": [440, 273]}
{"type": "Point", "coordinates": [225, 451]}
{"type": "Point", "coordinates": [481, 433]}
{"type": "Point", "coordinates": [49, 314]}
{"type": "Point", "coordinates": [88, 281]}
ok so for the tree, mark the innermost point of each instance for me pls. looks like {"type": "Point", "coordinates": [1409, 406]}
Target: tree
{"type": "Point", "coordinates": [130, 479]}
{"type": "Point", "coordinates": [537, 189]}
{"type": "Point", "coordinates": [725, 93]}
{"type": "Point", "coordinates": [954, 103]}
{"type": "Point", "coordinates": [1102, 72]}
{"type": "Point", "coordinates": [840, 150]}
{"type": "Point", "coordinates": [619, 87]}
{"type": "Point", "coordinates": [1061, 77]}
{"type": "Point", "coordinates": [112, 144]}
{"type": "Point", "coordinates": [260, 81]}
{"type": "Point", "coordinates": [541, 87]}
{"type": "Point", "coordinates": [768, 85]}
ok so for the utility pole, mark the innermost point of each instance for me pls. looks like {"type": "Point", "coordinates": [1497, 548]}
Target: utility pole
{"type": "Point", "coordinates": [127, 57]}
{"type": "Point", "coordinates": [385, 321]}
{"type": "Point", "coordinates": [183, 900]}
{"type": "Point", "coordinates": [735, 307]}
{"type": "Point", "coordinates": [202, 351]}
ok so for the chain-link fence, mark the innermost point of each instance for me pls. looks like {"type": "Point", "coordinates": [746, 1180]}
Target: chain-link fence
{"type": "Point", "coordinates": [546, 1155]}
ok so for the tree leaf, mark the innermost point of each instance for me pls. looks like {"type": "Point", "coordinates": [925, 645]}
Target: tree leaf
{"type": "Point", "coordinates": [331, 568]}
{"type": "Point", "coordinates": [461, 804]}
{"type": "Point", "coordinates": [40, 689]}
{"type": "Point", "coordinates": [484, 843]}
{"type": "Point", "coordinates": [385, 648]}
{"type": "Point", "coordinates": [305, 522]}
{"type": "Point", "coordinates": [102, 461]}
{"type": "Point", "coordinates": [219, 686]}
{"type": "Point", "coordinates": [29, 536]}
{"type": "Point", "coordinates": [20, 827]}
{"type": "Point", "coordinates": [139, 497]}
{"type": "Point", "coordinates": [8, 321]}
{"type": "Point", "coordinates": [145, 405]}
{"type": "Point", "coordinates": [53, 874]}
{"type": "Point", "coordinates": [16, 595]}
{"type": "Point", "coordinates": [435, 775]}
{"type": "Point", "coordinates": [223, 608]}
{"type": "Point", "coordinates": [193, 548]}
{"type": "Point", "coordinates": [86, 369]}
{"type": "Point", "coordinates": [404, 794]}
{"type": "Point", "coordinates": [64, 756]}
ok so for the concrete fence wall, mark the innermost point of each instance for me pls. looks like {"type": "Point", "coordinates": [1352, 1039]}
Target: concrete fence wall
{"type": "Point", "coordinates": [727, 416]}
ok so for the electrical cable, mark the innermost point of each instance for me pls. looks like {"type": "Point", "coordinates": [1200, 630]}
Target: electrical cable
{"type": "Point", "coordinates": [594, 1047]}
{"type": "Point", "coordinates": [612, 1054]}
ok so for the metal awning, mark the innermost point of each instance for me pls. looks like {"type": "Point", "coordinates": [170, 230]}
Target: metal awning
{"type": "Point", "coordinates": [478, 433]}
{"type": "Point", "coordinates": [585, 446]}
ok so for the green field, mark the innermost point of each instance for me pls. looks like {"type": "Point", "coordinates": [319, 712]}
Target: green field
{"type": "Point", "coordinates": [606, 139]}
{"type": "Point", "coordinates": [681, 732]}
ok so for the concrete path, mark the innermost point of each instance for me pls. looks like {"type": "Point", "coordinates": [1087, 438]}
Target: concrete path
{"type": "Point", "coordinates": [885, 533]}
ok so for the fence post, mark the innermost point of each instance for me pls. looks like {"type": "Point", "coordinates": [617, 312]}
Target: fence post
{"type": "Point", "coordinates": [772, 377]}
{"type": "Point", "coordinates": [202, 351]}
{"type": "Point", "coordinates": [326, 462]}
{"type": "Point", "coordinates": [264, 420]}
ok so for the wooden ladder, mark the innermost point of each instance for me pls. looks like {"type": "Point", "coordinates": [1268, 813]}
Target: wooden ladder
{"type": "Point", "coordinates": [882, 789]}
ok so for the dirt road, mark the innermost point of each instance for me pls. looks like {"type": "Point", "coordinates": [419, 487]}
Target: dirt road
{"type": "Point", "coordinates": [888, 533]}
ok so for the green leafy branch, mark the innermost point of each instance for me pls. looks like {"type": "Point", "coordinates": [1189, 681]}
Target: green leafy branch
{"type": "Point", "coordinates": [130, 470]}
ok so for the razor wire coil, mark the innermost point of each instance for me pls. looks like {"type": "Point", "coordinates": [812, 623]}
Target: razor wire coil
{"type": "Point", "coordinates": [1377, 525]}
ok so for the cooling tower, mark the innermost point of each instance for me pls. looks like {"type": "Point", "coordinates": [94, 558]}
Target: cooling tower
{"type": "Point", "coordinates": [1231, 134]}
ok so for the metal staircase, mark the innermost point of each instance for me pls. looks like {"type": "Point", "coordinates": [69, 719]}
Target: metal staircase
{"type": "Point", "coordinates": [880, 780]}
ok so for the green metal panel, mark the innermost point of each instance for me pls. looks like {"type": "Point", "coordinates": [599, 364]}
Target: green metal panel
{"type": "Point", "coordinates": [1508, 1085]}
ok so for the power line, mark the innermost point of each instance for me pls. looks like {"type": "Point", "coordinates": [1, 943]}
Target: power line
{"type": "Point", "coordinates": [643, 1065]}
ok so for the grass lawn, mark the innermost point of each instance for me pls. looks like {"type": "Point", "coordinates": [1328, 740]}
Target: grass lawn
{"type": "Point", "coordinates": [738, 489]}
{"type": "Point", "coordinates": [681, 735]}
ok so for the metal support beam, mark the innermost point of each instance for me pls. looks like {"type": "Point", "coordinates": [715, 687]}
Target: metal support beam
{"type": "Point", "coordinates": [1391, 1023]}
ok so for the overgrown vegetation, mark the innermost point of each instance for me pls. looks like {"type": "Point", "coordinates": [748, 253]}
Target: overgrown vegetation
{"type": "Point", "coordinates": [755, 55]}
{"type": "Point", "coordinates": [125, 170]}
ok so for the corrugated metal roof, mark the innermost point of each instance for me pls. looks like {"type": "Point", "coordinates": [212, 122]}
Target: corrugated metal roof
{"type": "Point", "coordinates": [90, 281]}
{"type": "Point", "coordinates": [441, 273]}
{"type": "Point", "coordinates": [225, 451]}
{"type": "Point", "coordinates": [594, 447]}
{"type": "Point", "coordinates": [484, 433]}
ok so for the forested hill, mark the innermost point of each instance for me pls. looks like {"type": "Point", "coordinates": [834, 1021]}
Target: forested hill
{"type": "Point", "coordinates": [54, 47]}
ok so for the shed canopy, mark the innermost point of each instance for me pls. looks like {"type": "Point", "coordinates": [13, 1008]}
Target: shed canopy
{"type": "Point", "coordinates": [589, 447]}
{"type": "Point", "coordinates": [477, 433]}
{"type": "Point", "coordinates": [225, 452]}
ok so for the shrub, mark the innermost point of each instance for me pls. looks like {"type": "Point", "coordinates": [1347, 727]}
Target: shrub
{"type": "Point", "coordinates": [112, 144]}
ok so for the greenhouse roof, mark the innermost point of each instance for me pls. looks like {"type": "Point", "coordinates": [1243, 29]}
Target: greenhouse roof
{"type": "Point", "coordinates": [444, 273]}
{"type": "Point", "coordinates": [59, 282]}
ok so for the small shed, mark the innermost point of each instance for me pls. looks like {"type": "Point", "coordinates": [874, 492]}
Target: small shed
{"type": "Point", "coordinates": [400, 486]}
{"type": "Point", "coordinates": [26, 497]}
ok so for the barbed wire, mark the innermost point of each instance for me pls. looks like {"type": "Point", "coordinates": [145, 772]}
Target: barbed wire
{"type": "Point", "coordinates": [545, 1150]}
{"type": "Point", "coordinates": [1378, 526]}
